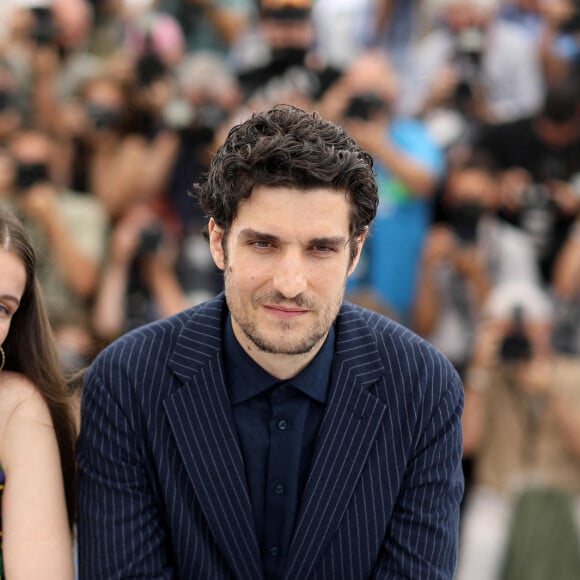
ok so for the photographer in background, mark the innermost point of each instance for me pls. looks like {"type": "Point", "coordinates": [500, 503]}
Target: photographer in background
{"type": "Point", "coordinates": [408, 165]}
{"type": "Point", "coordinates": [466, 254]}
{"type": "Point", "coordinates": [68, 230]}
{"type": "Point", "coordinates": [138, 283]}
{"type": "Point", "coordinates": [48, 47]}
{"type": "Point", "coordinates": [120, 152]}
{"type": "Point", "coordinates": [553, 27]}
{"type": "Point", "coordinates": [472, 69]}
{"type": "Point", "coordinates": [539, 159]}
{"type": "Point", "coordinates": [277, 60]}
{"type": "Point", "coordinates": [521, 425]}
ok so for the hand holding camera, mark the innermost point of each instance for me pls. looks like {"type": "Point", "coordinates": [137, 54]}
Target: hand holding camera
{"type": "Point", "coordinates": [366, 118]}
{"type": "Point", "coordinates": [516, 346]}
{"type": "Point", "coordinates": [37, 193]}
{"type": "Point", "coordinates": [439, 246]}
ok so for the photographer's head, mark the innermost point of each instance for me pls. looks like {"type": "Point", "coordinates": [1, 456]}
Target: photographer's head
{"type": "Point", "coordinates": [372, 76]}
{"type": "Point", "coordinates": [33, 152]}
{"type": "Point", "coordinates": [105, 105]}
{"type": "Point", "coordinates": [558, 123]}
{"type": "Point", "coordinates": [288, 29]}
{"type": "Point", "coordinates": [523, 312]}
{"type": "Point", "coordinates": [470, 192]}
{"type": "Point", "coordinates": [563, 15]}
{"type": "Point", "coordinates": [461, 14]}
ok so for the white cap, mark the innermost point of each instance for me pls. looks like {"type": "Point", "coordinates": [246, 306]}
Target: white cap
{"type": "Point", "coordinates": [535, 303]}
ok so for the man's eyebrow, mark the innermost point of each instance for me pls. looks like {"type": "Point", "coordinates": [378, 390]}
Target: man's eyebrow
{"type": "Point", "coordinates": [331, 241]}
{"type": "Point", "coordinates": [250, 234]}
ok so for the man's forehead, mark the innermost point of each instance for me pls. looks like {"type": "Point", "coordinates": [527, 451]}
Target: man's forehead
{"type": "Point", "coordinates": [295, 215]}
{"type": "Point", "coordinates": [320, 202]}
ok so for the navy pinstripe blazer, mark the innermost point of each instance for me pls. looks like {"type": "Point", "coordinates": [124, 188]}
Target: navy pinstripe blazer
{"type": "Point", "coordinates": [162, 488]}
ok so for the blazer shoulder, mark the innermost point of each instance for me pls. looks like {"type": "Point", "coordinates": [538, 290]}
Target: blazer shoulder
{"type": "Point", "coordinates": [148, 348]}
{"type": "Point", "coordinates": [391, 334]}
{"type": "Point", "coordinates": [401, 350]}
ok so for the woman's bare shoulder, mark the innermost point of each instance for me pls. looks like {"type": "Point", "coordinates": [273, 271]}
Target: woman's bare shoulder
{"type": "Point", "coordinates": [19, 397]}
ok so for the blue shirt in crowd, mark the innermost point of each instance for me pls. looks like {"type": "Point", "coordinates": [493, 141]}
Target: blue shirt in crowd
{"type": "Point", "coordinates": [392, 252]}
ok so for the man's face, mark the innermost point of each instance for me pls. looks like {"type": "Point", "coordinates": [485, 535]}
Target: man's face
{"type": "Point", "coordinates": [472, 186]}
{"type": "Point", "coordinates": [281, 33]}
{"type": "Point", "coordinates": [286, 259]}
{"type": "Point", "coordinates": [558, 135]}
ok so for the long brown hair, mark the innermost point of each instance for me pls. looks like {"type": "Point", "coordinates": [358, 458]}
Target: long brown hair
{"type": "Point", "coordinates": [30, 350]}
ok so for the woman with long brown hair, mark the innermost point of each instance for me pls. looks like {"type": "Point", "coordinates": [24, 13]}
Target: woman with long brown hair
{"type": "Point", "coordinates": [36, 428]}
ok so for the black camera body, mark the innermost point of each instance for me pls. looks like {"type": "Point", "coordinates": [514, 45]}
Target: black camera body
{"type": "Point", "coordinates": [7, 101]}
{"type": "Point", "coordinates": [29, 174]}
{"type": "Point", "coordinates": [468, 59]}
{"type": "Point", "coordinates": [45, 31]}
{"type": "Point", "coordinates": [150, 68]}
{"type": "Point", "coordinates": [516, 346]}
{"type": "Point", "coordinates": [151, 239]}
{"type": "Point", "coordinates": [103, 117]}
{"type": "Point", "coordinates": [463, 219]}
{"type": "Point", "coordinates": [364, 106]}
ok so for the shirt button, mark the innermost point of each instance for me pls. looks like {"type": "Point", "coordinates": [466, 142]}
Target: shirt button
{"type": "Point", "coordinates": [282, 425]}
{"type": "Point", "coordinates": [279, 489]}
{"type": "Point", "coordinates": [274, 551]}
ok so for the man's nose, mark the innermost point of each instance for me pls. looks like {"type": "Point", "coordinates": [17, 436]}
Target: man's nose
{"type": "Point", "coordinates": [289, 277]}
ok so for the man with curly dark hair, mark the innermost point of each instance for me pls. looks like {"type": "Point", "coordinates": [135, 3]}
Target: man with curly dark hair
{"type": "Point", "coordinates": [275, 431]}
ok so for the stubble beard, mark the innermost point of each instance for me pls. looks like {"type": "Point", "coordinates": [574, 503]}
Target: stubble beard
{"type": "Point", "coordinates": [283, 344]}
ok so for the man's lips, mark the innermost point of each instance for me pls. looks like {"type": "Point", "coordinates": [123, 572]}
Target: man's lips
{"type": "Point", "coordinates": [285, 311]}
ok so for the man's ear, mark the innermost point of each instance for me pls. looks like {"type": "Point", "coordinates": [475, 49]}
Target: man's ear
{"type": "Point", "coordinates": [216, 239]}
{"type": "Point", "coordinates": [359, 246]}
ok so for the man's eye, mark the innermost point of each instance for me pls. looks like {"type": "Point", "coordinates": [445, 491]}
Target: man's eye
{"type": "Point", "coordinates": [261, 244]}
{"type": "Point", "coordinates": [324, 249]}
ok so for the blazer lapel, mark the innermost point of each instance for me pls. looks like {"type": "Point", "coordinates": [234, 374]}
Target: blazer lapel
{"type": "Point", "coordinates": [349, 427]}
{"type": "Point", "coordinates": [200, 417]}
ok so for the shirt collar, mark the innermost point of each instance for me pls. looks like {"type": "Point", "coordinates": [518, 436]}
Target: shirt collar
{"type": "Point", "coordinates": [246, 378]}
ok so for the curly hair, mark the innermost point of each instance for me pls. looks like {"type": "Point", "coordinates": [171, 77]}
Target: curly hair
{"type": "Point", "coordinates": [288, 147]}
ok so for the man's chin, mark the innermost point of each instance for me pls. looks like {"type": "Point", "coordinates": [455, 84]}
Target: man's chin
{"type": "Point", "coordinates": [284, 347]}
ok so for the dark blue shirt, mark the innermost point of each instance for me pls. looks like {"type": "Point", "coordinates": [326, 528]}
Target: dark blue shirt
{"type": "Point", "coordinates": [277, 423]}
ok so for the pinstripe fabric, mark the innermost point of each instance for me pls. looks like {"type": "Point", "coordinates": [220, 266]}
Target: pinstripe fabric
{"type": "Point", "coordinates": [162, 491]}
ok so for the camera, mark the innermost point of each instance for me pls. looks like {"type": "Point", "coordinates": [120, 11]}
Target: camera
{"type": "Point", "coordinates": [151, 239]}
{"type": "Point", "coordinates": [29, 174]}
{"type": "Point", "coordinates": [538, 216]}
{"type": "Point", "coordinates": [102, 117]}
{"type": "Point", "coordinates": [463, 219]}
{"type": "Point", "coordinates": [7, 101]}
{"type": "Point", "coordinates": [149, 68]}
{"type": "Point", "coordinates": [364, 106]}
{"type": "Point", "coordinates": [45, 30]}
{"type": "Point", "coordinates": [469, 46]}
{"type": "Point", "coordinates": [516, 346]}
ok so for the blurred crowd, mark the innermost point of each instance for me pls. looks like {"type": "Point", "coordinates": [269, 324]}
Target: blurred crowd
{"type": "Point", "coordinates": [111, 109]}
